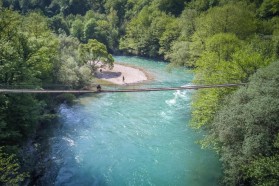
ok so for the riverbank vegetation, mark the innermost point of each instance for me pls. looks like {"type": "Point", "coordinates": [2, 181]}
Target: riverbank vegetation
{"type": "Point", "coordinates": [49, 42]}
{"type": "Point", "coordinates": [32, 56]}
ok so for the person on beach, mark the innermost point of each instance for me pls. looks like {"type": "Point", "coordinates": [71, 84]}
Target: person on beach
{"type": "Point", "coordinates": [101, 70]}
{"type": "Point", "coordinates": [123, 78]}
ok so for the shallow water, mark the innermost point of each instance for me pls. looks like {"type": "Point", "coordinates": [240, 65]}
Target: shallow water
{"type": "Point", "coordinates": [132, 138]}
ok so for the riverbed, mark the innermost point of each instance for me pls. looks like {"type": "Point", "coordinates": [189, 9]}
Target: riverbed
{"type": "Point", "coordinates": [132, 138]}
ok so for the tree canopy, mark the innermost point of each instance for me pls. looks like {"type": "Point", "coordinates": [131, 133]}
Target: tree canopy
{"type": "Point", "coordinates": [34, 56]}
{"type": "Point", "coordinates": [245, 131]}
{"type": "Point", "coordinates": [95, 53]}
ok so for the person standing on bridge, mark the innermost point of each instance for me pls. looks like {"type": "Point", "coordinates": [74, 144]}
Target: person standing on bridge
{"type": "Point", "coordinates": [99, 88]}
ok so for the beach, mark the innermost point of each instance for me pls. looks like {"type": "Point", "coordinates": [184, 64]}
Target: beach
{"type": "Point", "coordinates": [121, 75]}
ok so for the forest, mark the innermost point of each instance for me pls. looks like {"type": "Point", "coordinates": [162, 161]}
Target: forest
{"type": "Point", "coordinates": [48, 42]}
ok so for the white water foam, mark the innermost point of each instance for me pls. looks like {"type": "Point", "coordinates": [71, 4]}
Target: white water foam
{"type": "Point", "coordinates": [177, 95]}
{"type": "Point", "coordinates": [69, 141]}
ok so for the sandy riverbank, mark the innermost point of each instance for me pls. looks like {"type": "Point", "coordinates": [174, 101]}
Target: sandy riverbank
{"type": "Point", "coordinates": [115, 75]}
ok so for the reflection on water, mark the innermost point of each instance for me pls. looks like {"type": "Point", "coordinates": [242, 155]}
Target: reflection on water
{"type": "Point", "coordinates": [131, 138]}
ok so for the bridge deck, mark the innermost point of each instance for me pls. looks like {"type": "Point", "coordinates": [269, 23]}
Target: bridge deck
{"type": "Point", "coordinates": [192, 87]}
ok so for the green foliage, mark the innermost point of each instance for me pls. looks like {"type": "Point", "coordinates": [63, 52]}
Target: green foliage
{"type": "Point", "coordinates": [245, 131]}
{"type": "Point", "coordinates": [66, 98]}
{"type": "Point", "coordinates": [202, 5]}
{"type": "Point", "coordinates": [59, 25]}
{"type": "Point", "coordinates": [96, 26]}
{"type": "Point", "coordinates": [237, 18]}
{"type": "Point", "coordinates": [28, 58]}
{"type": "Point", "coordinates": [181, 54]}
{"type": "Point", "coordinates": [69, 6]}
{"type": "Point", "coordinates": [223, 62]}
{"type": "Point", "coordinates": [28, 48]}
{"type": "Point", "coordinates": [103, 32]}
{"type": "Point", "coordinates": [203, 110]}
{"type": "Point", "coordinates": [182, 51]}
{"type": "Point", "coordinates": [174, 7]}
{"type": "Point", "coordinates": [206, 102]}
{"type": "Point", "coordinates": [224, 45]}
{"type": "Point", "coordinates": [197, 29]}
{"type": "Point", "coordinates": [134, 7]}
{"type": "Point", "coordinates": [95, 55]}
{"type": "Point", "coordinates": [11, 48]}
{"type": "Point", "coordinates": [24, 60]}
{"type": "Point", "coordinates": [31, 56]}
{"type": "Point", "coordinates": [187, 22]}
{"type": "Point", "coordinates": [248, 61]}
{"type": "Point", "coordinates": [20, 116]}
{"type": "Point", "coordinates": [77, 29]}
{"type": "Point", "coordinates": [264, 171]}
{"type": "Point", "coordinates": [147, 30]}
{"type": "Point", "coordinates": [119, 9]}
{"type": "Point", "coordinates": [90, 29]}
{"type": "Point", "coordinates": [170, 34]}
{"type": "Point", "coordinates": [10, 170]}
{"type": "Point", "coordinates": [269, 8]}
{"type": "Point", "coordinates": [69, 71]}
{"type": "Point", "coordinates": [42, 44]}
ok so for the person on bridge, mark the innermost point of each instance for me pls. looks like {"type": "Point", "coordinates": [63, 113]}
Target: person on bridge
{"type": "Point", "coordinates": [99, 88]}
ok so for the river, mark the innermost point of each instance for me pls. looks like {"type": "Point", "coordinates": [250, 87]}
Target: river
{"type": "Point", "coordinates": [131, 138]}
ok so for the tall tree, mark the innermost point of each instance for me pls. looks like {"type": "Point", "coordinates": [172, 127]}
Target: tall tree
{"type": "Point", "coordinates": [95, 54]}
{"type": "Point", "coordinates": [69, 71]}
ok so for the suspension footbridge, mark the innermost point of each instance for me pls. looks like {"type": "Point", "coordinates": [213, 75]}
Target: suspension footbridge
{"type": "Point", "coordinates": [186, 87]}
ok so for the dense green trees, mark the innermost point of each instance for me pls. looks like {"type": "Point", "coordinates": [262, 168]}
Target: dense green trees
{"type": "Point", "coordinates": [245, 131]}
{"type": "Point", "coordinates": [32, 56]}
{"type": "Point", "coordinates": [28, 53]}
{"type": "Point", "coordinates": [77, 29]}
{"type": "Point", "coordinates": [225, 61]}
{"type": "Point", "coordinates": [95, 26]}
{"type": "Point", "coordinates": [150, 31]}
{"type": "Point", "coordinates": [237, 18]}
{"type": "Point", "coordinates": [223, 53]}
{"type": "Point", "coordinates": [28, 49]}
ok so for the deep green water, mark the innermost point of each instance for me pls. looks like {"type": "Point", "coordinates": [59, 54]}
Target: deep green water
{"type": "Point", "coordinates": [132, 138]}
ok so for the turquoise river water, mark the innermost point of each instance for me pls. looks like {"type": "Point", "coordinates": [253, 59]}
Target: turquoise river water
{"type": "Point", "coordinates": [132, 138]}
